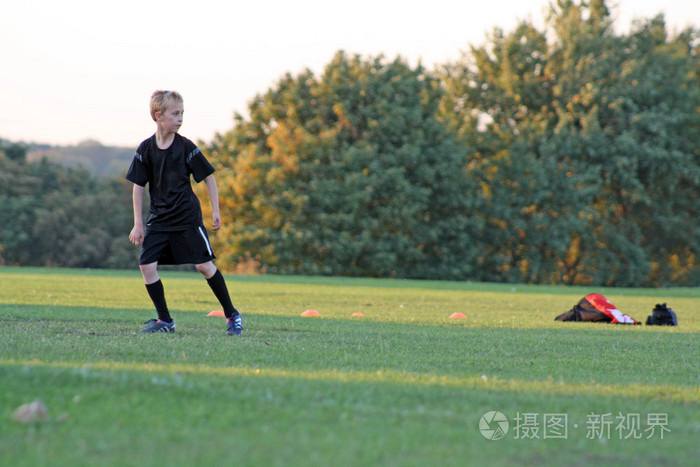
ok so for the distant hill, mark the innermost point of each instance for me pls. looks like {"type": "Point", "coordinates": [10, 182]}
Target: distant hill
{"type": "Point", "coordinates": [100, 160]}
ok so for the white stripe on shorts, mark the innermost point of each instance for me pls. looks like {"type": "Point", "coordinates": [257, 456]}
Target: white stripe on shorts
{"type": "Point", "coordinates": [206, 242]}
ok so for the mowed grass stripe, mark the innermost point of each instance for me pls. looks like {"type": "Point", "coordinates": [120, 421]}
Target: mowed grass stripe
{"type": "Point", "coordinates": [50, 273]}
{"type": "Point", "coordinates": [671, 393]}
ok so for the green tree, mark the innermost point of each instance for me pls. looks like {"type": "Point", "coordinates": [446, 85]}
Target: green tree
{"type": "Point", "coordinates": [55, 216]}
{"type": "Point", "coordinates": [585, 146]}
{"type": "Point", "coordinates": [347, 173]}
{"type": "Point", "coordinates": [13, 151]}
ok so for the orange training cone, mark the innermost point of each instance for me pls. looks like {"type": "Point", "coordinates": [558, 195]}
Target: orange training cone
{"type": "Point", "coordinates": [310, 314]}
{"type": "Point", "coordinates": [216, 313]}
{"type": "Point", "coordinates": [358, 314]}
{"type": "Point", "coordinates": [457, 315]}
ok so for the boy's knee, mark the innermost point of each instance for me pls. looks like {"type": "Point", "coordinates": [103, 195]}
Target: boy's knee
{"type": "Point", "coordinates": [206, 269]}
{"type": "Point", "coordinates": [149, 272]}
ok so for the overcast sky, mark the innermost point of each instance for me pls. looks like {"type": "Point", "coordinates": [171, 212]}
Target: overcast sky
{"type": "Point", "coordinates": [72, 70]}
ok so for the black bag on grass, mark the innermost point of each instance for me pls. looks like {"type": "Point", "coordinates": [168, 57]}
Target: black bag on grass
{"type": "Point", "coordinates": [662, 315]}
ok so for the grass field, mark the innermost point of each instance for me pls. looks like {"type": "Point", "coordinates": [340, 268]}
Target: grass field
{"type": "Point", "coordinates": [404, 385]}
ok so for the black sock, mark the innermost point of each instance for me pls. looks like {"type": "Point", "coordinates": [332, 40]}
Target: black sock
{"type": "Point", "coordinates": [218, 286]}
{"type": "Point", "coordinates": [155, 290]}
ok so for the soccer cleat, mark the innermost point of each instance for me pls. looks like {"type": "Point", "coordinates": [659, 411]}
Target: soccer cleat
{"type": "Point", "coordinates": [234, 325]}
{"type": "Point", "coordinates": [156, 325]}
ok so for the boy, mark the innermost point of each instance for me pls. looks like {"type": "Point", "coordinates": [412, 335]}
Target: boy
{"type": "Point", "coordinates": [174, 232]}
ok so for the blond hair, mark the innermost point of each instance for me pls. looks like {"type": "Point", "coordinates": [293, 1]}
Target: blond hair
{"type": "Point", "coordinates": [161, 99]}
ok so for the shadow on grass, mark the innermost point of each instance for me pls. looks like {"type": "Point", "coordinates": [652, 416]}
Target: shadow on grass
{"type": "Point", "coordinates": [298, 346]}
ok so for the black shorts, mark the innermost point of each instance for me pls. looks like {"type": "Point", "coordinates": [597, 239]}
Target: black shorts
{"type": "Point", "coordinates": [189, 246]}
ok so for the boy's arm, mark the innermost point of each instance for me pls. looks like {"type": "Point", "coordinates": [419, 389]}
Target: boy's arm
{"type": "Point", "coordinates": [136, 235]}
{"type": "Point", "coordinates": [214, 199]}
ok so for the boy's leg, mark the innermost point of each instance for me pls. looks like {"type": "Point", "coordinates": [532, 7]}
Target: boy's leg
{"type": "Point", "coordinates": [154, 286]}
{"type": "Point", "coordinates": [218, 286]}
{"type": "Point", "coordinates": [149, 272]}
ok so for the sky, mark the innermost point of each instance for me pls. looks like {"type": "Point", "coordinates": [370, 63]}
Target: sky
{"type": "Point", "coordinates": [73, 70]}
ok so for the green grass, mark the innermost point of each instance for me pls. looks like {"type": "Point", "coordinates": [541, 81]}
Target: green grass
{"type": "Point", "coordinates": [402, 386]}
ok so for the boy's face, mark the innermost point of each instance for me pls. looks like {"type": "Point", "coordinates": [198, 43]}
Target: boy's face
{"type": "Point", "coordinates": [170, 119]}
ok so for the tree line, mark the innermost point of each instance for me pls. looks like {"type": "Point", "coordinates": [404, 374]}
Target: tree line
{"type": "Point", "coordinates": [562, 154]}
{"type": "Point", "coordinates": [53, 215]}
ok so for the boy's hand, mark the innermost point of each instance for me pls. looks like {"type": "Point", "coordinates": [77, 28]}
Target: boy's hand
{"type": "Point", "coordinates": [215, 221]}
{"type": "Point", "coordinates": [136, 235]}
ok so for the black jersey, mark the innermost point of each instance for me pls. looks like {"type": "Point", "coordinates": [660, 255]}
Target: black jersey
{"type": "Point", "coordinates": [174, 206]}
